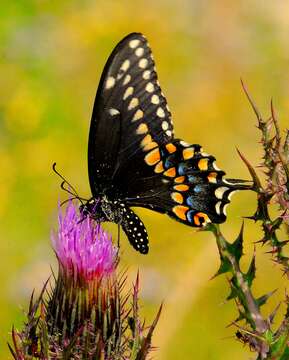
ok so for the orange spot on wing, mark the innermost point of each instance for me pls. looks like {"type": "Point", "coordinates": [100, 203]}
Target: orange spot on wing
{"type": "Point", "coordinates": [146, 140]}
{"type": "Point", "coordinates": [181, 187]}
{"type": "Point", "coordinates": [147, 143]}
{"type": "Point", "coordinates": [150, 146]}
{"type": "Point", "coordinates": [159, 167]}
{"type": "Point", "coordinates": [180, 211]}
{"type": "Point", "coordinates": [179, 179]}
{"type": "Point", "coordinates": [177, 197]}
{"type": "Point", "coordinates": [153, 157]}
{"type": "Point", "coordinates": [203, 164]}
{"type": "Point", "coordinates": [201, 219]}
{"type": "Point", "coordinates": [171, 148]}
{"type": "Point", "coordinates": [188, 153]}
{"type": "Point", "coordinates": [142, 129]}
{"type": "Point", "coordinates": [212, 177]}
{"type": "Point", "coordinates": [171, 172]}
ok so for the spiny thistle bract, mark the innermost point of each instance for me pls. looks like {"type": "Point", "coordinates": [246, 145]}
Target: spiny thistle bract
{"type": "Point", "coordinates": [84, 314]}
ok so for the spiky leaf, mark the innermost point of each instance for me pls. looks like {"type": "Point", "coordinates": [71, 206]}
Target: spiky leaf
{"type": "Point", "coordinates": [251, 273]}
{"type": "Point", "coordinates": [236, 248]}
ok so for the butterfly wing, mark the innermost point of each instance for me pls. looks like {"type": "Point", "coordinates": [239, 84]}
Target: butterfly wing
{"type": "Point", "coordinates": [133, 155]}
{"type": "Point", "coordinates": [130, 117]}
{"type": "Point", "coordinates": [191, 188]}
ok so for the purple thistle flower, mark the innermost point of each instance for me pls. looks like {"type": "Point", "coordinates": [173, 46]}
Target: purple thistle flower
{"type": "Point", "coordinates": [82, 247]}
{"type": "Point", "coordinates": [83, 314]}
{"type": "Point", "coordinates": [86, 293]}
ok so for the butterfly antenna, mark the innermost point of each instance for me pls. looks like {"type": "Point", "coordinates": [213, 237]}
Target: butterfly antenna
{"type": "Point", "coordinates": [63, 187]}
{"type": "Point", "coordinates": [63, 178]}
{"type": "Point", "coordinates": [67, 200]}
{"type": "Point", "coordinates": [67, 189]}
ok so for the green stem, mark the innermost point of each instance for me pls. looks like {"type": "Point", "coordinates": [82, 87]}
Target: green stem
{"type": "Point", "coordinates": [258, 322]}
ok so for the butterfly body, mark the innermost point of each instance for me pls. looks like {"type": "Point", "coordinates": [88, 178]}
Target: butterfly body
{"type": "Point", "coordinates": [134, 159]}
{"type": "Point", "coordinates": [102, 209]}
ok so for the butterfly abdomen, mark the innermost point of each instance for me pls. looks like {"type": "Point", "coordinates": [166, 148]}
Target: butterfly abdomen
{"type": "Point", "coordinates": [134, 230]}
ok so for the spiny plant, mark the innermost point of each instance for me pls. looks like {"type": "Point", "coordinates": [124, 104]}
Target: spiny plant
{"type": "Point", "coordinates": [83, 312]}
{"type": "Point", "coordinates": [257, 331]}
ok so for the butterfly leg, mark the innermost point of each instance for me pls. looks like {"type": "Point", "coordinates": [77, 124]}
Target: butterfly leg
{"type": "Point", "coordinates": [118, 236]}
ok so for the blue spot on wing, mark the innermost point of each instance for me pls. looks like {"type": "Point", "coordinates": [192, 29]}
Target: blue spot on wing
{"type": "Point", "coordinates": [190, 216]}
{"type": "Point", "coordinates": [170, 162]}
{"type": "Point", "coordinates": [190, 201]}
{"type": "Point", "coordinates": [183, 168]}
{"type": "Point", "coordinates": [198, 189]}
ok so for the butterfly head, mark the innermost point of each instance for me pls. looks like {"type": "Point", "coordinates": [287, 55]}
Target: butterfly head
{"type": "Point", "coordinates": [92, 208]}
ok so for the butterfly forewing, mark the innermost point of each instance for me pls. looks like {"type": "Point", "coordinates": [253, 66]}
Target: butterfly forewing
{"type": "Point", "coordinates": [130, 116]}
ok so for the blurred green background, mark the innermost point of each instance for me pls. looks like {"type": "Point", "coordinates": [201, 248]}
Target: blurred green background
{"type": "Point", "coordinates": [51, 57]}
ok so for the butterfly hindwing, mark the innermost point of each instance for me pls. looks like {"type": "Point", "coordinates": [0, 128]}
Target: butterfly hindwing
{"type": "Point", "coordinates": [190, 187]}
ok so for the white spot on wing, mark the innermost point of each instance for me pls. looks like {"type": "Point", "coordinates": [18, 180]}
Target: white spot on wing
{"type": "Point", "coordinates": [126, 79]}
{"type": "Point", "coordinates": [160, 112]}
{"type": "Point", "coordinates": [184, 144]}
{"type": "Point", "coordinates": [125, 65]}
{"type": "Point", "coordinates": [133, 103]}
{"type": "Point", "coordinates": [169, 133]}
{"type": "Point", "coordinates": [218, 207]}
{"type": "Point", "coordinates": [150, 87]}
{"type": "Point", "coordinates": [143, 63]}
{"type": "Point", "coordinates": [155, 99]}
{"type": "Point", "coordinates": [215, 166]}
{"type": "Point", "coordinates": [139, 52]}
{"type": "Point", "coordinates": [146, 74]}
{"type": "Point", "coordinates": [113, 112]}
{"type": "Point", "coordinates": [134, 43]}
{"type": "Point", "coordinates": [219, 192]}
{"type": "Point", "coordinates": [138, 115]}
{"type": "Point", "coordinates": [165, 125]}
{"type": "Point", "coordinates": [110, 82]}
{"type": "Point", "coordinates": [128, 92]}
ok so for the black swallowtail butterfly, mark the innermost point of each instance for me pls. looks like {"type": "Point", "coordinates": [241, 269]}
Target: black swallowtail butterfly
{"type": "Point", "coordinates": [134, 159]}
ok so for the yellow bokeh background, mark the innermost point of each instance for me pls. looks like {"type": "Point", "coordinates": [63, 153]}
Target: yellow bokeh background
{"type": "Point", "coordinates": [51, 57]}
